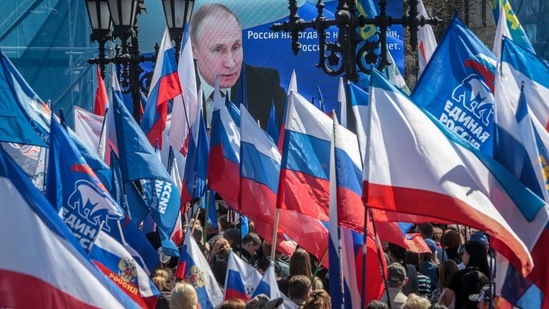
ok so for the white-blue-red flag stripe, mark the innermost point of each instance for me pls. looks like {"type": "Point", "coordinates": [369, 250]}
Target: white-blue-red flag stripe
{"type": "Point", "coordinates": [241, 280]}
{"type": "Point", "coordinates": [117, 263]}
{"type": "Point", "coordinates": [413, 161]}
{"type": "Point", "coordinates": [187, 105]}
{"type": "Point", "coordinates": [224, 158]}
{"type": "Point", "coordinates": [194, 269]}
{"type": "Point", "coordinates": [521, 146]}
{"type": "Point", "coordinates": [165, 86]}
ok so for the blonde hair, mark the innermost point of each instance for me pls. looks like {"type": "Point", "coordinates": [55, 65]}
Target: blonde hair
{"type": "Point", "coordinates": [415, 301]}
{"type": "Point", "coordinates": [163, 279]}
{"type": "Point", "coordinates": [183, 297]}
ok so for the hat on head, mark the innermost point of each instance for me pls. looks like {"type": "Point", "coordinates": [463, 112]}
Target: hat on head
{"type": "Point", "coordinates": [484, 295]}
{"type": "Point", "coordinates": [431, 244]}
{"type": "Point", "coordinates": [480, 237]}
{"type": "Point", "coordinates": [261, 301]}
{"type": "Point", "coordinates": [396, 273]}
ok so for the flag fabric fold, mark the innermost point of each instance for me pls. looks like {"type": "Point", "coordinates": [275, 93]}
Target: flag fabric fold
{"type": "Point", "coordinates": [165, 86]}
{"type": "Point", "coordinates": [521, 146]}
{"type": "Point", "coordinates": [502, 10]}
{"type": "Point", "coordinates": [241, 280]}
{"type": "Point", "coordinates": [457, 86]}
{"type": "Point", "coordinates": [15, 125]}
{"type": "Point", "coordinates": [194, 269]}
{"type": "Point", "coordinates": [185, 106]}
{"type": "Point", "coordinates": [101, 97]}
{"type": "Point", "coordinates": [224, 158]}
{"type": "Point", "coordinates": [426, 40]}
{"type": "Point", "coordinates": [114, 260]}
{"type": "Point", "coordinates": [438, 170]}
{"type": "Point", "coordinates": [83, 203]}
{"type": "Point", "coordinates": [30, 217]}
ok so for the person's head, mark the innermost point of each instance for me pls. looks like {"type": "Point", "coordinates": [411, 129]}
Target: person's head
{"type": "Point", "coordinates": [415, 301]}
{"type": "Point", "coordinates": [396, 275]}
{"type": "Point", "coordinates": [221, 248]}
{"type": "Point", "coordinates": [299, 288]}
{"type": "Point", "coordinates": [162, 279]}
{"type": "Point", "coordinates": [262, 301]}
{"type": "Point", "coordinates": [300, 263]}
{"type": "Point", "coordinates": [437, 233]}
{"type": "Point", "coordinates": [396, 253]}
{"type": "Point", "coordinates": [319, 299]}
{"type": "Point", "coordinates": [219, 270]}
{"type": "Point", "coordinates": [433, 248]}
{"type": "Point", "coordinates": [413, 258]}
{"type": "Point", "coordinates": [183, 297]}
{"type": "Point", "coordinates": [233, 303]}
{"type": "Point", "coordinates": [450, 240]}
{"type": "Point", "coordinates": [251, 243]}
{"type": "Point", "coordinates": [480, 237]}
{"type": "Point", "coordinates": [473, 282]}
{"type": "Point", "coordinates": [445, 271]}
{"type": "Point", "coordinates": [233, 236]}
{"type": "Point", "coordinates": [198, 233]}
{"type": "Point", "coordinates": [426, 230]}
{"type": "Point", "coordinates": [376, 304]}
{"type": "Point", "coordinates": [216, 38]}
{"type": "Point", "coordinates": [474, 255]}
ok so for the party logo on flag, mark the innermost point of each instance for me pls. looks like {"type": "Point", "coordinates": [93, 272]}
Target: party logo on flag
{"type": "Point", "coordinates": [457, 85]}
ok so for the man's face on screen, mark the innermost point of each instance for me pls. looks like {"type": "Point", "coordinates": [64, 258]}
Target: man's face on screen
{"type": "Point", "coordinates": [218, 49]}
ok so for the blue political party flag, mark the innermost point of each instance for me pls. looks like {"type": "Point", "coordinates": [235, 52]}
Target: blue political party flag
{"type": "Point", "coordinates": [63, 275]}
{"type": "Point", "coordinates": [74, 190]}
{"type": "Point", "coordinates": [15, 125]}
{"type": "Point", "coordinates": [83, 202]}
{"type": "Point", "coordinates": [457, 86]}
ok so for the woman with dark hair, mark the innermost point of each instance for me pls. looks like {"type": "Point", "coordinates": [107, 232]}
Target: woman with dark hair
{"type": "Point", "coordinates": [397, 254]}
{"type": "Point", "coordinates": [475, 259]}
{"type": "Point", "coordinates": [300, 264]}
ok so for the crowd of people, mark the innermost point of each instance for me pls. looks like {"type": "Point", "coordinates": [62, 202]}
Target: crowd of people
{"type": "Point", "coordinates": [455, 274]}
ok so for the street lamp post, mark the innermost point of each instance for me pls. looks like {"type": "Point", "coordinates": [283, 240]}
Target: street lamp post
{"type": "Point", "coordinates": [122, 15]}
{"type": "Point", "coordinates": [344, 54]}
{"type": "Point", "coordinates": [176, 21]}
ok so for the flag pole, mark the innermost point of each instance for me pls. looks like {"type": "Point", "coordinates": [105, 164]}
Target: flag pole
{"type": "Point", "coordinates": [379, 250]}
{"type": "Point", "coordinates": [101, 149]}
{"type": "Point", "coordinates": [206, 210]}
{"type": "Point", "coordinates": [275, 234]}
{"type": "Point", "coordinates": [364, 250]}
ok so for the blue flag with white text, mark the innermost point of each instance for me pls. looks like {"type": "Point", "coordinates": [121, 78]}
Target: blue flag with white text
{"type": "Point", "coordinates": [457, 86]}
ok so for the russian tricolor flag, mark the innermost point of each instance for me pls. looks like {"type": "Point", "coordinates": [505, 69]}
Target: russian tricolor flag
{"type": "Point", "coordinates": [164, 87]}
{"type": "Point", "coordinates": [241, 279]}
{"type": "Point", "coordinates": [224, 158]}
{"type": "Point", "coordinates": [194, 269]}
